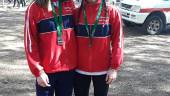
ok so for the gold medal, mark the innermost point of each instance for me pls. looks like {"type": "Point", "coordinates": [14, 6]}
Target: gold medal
{"type": "Point", "coordinates": [90, 42]}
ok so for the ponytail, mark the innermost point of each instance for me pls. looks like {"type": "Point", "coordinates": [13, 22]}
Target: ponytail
{"type": "Point", "coordinates": [80, 11]}
{"type": "Point", "coordinates": [106, 11]}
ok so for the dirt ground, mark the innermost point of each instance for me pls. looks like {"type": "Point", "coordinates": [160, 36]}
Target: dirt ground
{"type": "Point", "coordinates": [145, 71]}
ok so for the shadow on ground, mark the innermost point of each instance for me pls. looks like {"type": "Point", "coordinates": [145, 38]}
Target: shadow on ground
{"type": "Point", "coordinates": [145, 71]}
{"type": "Point", "coordinates": [15, 78]}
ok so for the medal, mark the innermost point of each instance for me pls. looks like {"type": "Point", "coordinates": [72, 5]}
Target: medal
{"type": "Point", "coordinates": [60, 41]}
{"type": "Point", "coordinates": [90, 42]}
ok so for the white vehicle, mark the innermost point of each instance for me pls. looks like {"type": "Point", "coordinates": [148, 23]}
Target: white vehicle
{"type": "Point", "coordinates": [153, 15]}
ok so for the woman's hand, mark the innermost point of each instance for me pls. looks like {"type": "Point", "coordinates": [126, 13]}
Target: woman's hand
{"type": "Point", "coordinates": [43, 80]}
{"type": "Point", "coordinates": [111, 76]}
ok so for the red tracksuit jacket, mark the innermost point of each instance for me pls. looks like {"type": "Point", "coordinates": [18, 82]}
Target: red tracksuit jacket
{"type": "Point", "coordinates": [107, 49]}
{"type": "Point", "coordinates": [40, 39]}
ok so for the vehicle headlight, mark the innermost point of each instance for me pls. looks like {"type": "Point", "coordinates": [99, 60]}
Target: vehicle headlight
{"type": "Point", "coordinates": [135, 8]}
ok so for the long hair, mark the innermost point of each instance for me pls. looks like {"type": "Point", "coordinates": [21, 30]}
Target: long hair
{"type": "Point", "coordinates": [80, 11]}
{"type": "Point", "coordinates": [42, 3]}
{"type": "Point", "coordinates": [106, 11]}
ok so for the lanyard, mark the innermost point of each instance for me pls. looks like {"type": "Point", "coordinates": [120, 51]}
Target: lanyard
{"type": "Point", "coordinates": [91, 32]}
{"type": "Point", "coordinates": [58, 21]}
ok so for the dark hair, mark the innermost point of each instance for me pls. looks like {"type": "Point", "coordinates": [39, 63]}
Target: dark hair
{"type": "Point", "coordinates": [106, 11]}
{"type": "Point", "coordinates": [80, 11]}
{"type": "Point", "coordinates": [42, 3]}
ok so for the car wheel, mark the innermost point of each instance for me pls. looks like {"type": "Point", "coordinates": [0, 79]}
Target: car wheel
{"type": "Point", "coordinates": [154, 25]}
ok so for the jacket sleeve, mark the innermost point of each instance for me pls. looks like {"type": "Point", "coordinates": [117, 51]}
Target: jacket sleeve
{"type": "Point", "coordinates": [117, 39]}
{"type": "Point", "coordinates": [31, 43]}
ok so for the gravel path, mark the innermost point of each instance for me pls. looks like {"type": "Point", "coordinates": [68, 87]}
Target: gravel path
{"type": "Point", "coordinates": [145, 72]}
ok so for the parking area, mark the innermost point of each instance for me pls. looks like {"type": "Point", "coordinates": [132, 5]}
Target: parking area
{"type": "Point", "coordinates": [145, 71]}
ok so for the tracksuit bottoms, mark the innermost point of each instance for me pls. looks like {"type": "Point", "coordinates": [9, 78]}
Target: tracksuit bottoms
{"type": "Point", "coordinates": [61, 84]}
{"type": "Point", "coordinates": [82, 84]}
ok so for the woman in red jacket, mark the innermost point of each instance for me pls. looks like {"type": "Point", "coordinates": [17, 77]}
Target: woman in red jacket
{"type": "Point", "coordinates": [50, 46]}
{"type": "Point", "coordinates": [100, 46]}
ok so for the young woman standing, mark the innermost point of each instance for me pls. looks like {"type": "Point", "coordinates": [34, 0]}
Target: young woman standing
{"type": "Point", "coordinates": [100, 46]}
{"type": "Point", "coordinates": [50, 46]}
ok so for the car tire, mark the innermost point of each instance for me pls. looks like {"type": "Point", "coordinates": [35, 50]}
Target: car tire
{"type": "Point", "coordinates": [154, 25]}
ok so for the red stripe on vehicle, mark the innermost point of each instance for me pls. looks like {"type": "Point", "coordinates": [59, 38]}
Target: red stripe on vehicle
{"type": "Point", "coordinates": [154, 9]}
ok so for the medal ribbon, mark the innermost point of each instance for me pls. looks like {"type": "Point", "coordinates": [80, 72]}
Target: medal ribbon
{"type": "Point", "coordinates": [58, 21]}
{"type": "Point", "coordinates": [92, 32]}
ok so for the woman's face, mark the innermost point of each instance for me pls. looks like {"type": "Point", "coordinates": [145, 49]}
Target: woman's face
{"type": "Point", "coordinates": [91, 1]}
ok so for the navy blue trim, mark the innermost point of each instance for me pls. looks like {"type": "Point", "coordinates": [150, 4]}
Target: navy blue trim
{"type": "Point", "coordinates": [48, 25]}
{"type": "Point", "coordinates": [101, 30]}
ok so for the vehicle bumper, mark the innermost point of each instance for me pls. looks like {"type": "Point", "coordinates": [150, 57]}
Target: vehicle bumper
{"type": "Point", "coordinates": [167, 15]}
{"type": "Point", "coordinates": [138, 18]}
